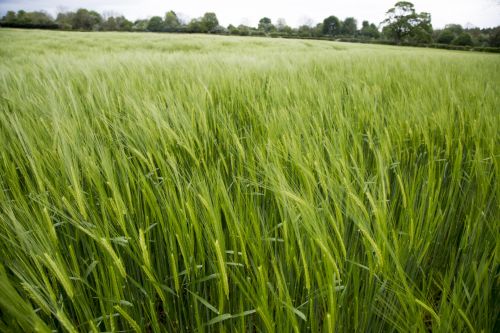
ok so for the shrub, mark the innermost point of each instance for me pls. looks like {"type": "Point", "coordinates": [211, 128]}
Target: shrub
{"type": "Point", "coordinates": [464, 39]}
{"type": "Point", "coordinates": [257, 33]}
{"type": "Point", "coordinates": [446, 37]}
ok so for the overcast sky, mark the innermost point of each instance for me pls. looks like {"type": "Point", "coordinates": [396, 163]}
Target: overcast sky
{"type": "Point", "coordinates": [482, 13]}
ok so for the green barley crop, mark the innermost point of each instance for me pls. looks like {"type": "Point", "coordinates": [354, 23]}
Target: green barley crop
{"type": "Point", "coordinates": [155, 182]}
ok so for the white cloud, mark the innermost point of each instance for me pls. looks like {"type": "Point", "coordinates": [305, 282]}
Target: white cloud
{"type": "Point", "coordinates": [483, 13]}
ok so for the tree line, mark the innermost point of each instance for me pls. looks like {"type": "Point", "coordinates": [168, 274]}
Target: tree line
{"type": "Point", "coordinates": [402, 25]}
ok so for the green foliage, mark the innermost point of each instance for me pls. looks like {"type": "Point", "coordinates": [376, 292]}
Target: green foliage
{"type": "Point", "coordinates": [195, 26]}
{"type": "Point", "coordinates": [109, 24]}
{"type": "Point", "coordinates": [119, 23]}
{"type": "Point", "coordinates": [167, 183]}
{"type": "Point", "coordinates": [65, 20]}
{"type": "Point", "coordinates": [399, 21]}
{"type": "Point", "coordinates": [283, 28]}
{"type": "Point", "coordinates": [266, 25]}
{"type": "Point", "coordinates": [422, 33]}
{"type": "Point", "coordinates": [209, 22]}
{"type": "Point", "coordinates": [220, 30]}
{"type": "Point", "coordinates": [233, 30]}
{"type": "Point", "coordinates": [464, 39]}
{"type": "Point", "coordinates": [494, 40]}
{"type": "Point", "coordinates": [258, 33]}
{"type": "Point", "coordinates": [446, 37]}
{"type": "Point", "coordinates": [155, 24]}
{"type": "Point", "coordinates": [487, 49]}
{"type": "Point", "coordinates": [369, 30]}
{"type": "Point", "coordinates": [456, 29]}
{"type": "Point", "coordinates": [84, 19]}
{"type": "Point", "coordinates": [34, 18]}
{"type": "Point", "coordinates": [22, 19]}
{"type": "Point", "coordinates": [10, 17]}
{"type": "Point", "coordinates": [140, 25]}
{"type": "Point", "coordinates": [331, 26]}
{"type": "Point", "coordinates": [206, 24]}
{"type": "Point", "coordinates": [171, 22]}
{"type": "Point", "coordinates": [404, 24]}
{"type": "Point", "coordinates": [349, 26]}
{"type": "Point", "coordinates": [450, 33]}
{"type": "Point", "coordinates": [244, 30]}
{"type": "Point", "coordinates": [305, 31]}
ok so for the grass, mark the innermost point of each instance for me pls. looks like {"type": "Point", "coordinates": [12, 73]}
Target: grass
{"type": "Point", "coordinates": [154, 182]}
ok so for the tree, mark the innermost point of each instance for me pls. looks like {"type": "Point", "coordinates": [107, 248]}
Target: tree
{"type": "Point", "coordinates": [422, 31]}
{"type": "Point", "coordinates": [155, 24]}
{"type": "Point", "coordinates": [119, 23]}
{"type": "Point", "coordinates": [10, 17]}
{"type": "Point", "coordinates": [281, 24]}
{"type": "Point", "coordinates": [23, 19]}
{"type": "Point", "coordinates": [446, 37]}
{"type": "Point", "coordinates": [109, 24]}
{"type": "Point", "coordinates": [195, 26]}
{"type": "Point", "coordinates": [282, 27]}
{"type": "Point", "coordinates": [220, 30]}
{"type": "Point", "coordinates": [140, 25]}
{"type": "Point", "coordinates": [369, 30]}
{"type": "Point", "coordinates": [84, 19]}
{"type": "Point", "coordinates": [398, 20]}
{"type": "Point", "coordinates": [40, 18]}
{"type": "Point", "coordinates": [464, 39]}
{"type": "Point", "coordinates": [65, 20]}
{"type": "Point", "coordinates": [244, 30]}
{"type": "Point", "coordinates": [233, 30]}
{"type": "Point", "coordinates": [494, 40]}
{"type": "Point", "coordinates": [456, 29]}
{"type": "Point", "coordinates": [331, 26]}
{"type": "Point", "coordinates": [209, 22]}
{"type": "Point", "coordinates": [317, 31]}
{"type": "Point", "coordinates": [171, 23]}
{"type": "Point", "coordinates": [349, 26]}
{"type": "Point", "coordinates": [123, 24]}
{"type": "Point", "coordinates": [266, 25]}
{"type": "Point", "coordinates": [305, 31]}
{"type": "Point", "coordinates": [404, 23]}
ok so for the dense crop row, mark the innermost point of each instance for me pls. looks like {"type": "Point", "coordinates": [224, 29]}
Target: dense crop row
{"type": "Point", "coordinates": [171, 183]}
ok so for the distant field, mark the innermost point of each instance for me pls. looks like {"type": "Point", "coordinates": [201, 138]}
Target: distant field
{"type": "Point", "coordinates": [157, 182]}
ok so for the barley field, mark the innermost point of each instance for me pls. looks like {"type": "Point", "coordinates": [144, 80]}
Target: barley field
{"type": "Point", "coordinates": [189, 183]}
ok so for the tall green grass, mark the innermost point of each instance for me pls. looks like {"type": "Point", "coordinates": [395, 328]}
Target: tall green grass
{"type": "Point", "coordinates": [157, 183]}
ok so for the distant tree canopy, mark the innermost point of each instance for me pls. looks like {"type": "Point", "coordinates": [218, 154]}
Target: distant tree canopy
{"type": "Point", "coordinates": [282, 27]}
{"type": "Point", "coordinates": [171, 22]}
{"type": "Point", "coordinates": [331, 26]}
{"type": "Point", "coordinates": [450, 34]}
{"type": "Point", "coordinates": [369, 30]}
{"type": "Point", "coordinates": [86, 20]}
{"type": "Point", "coordinates": [402, 25]}
{"type": "Point", "coordinates": [140, 25]}
{"type": "Point", "coordinates": [446, 37]}
{"type": "Point", "coordinates": [209, 22]}
{"type": "Point", "coordinates": [265, 25]}
{"type": "Point", "coordinates": [155, 24]}
{"type": "Point", "coordinates": [456, 29]}
{"type": "Point", "coordinates": [65, 20]}
{"type": "Point", "coordinates": [349, 26]}
{"type": "Point", "coordinates": [464, 39]}
{"type": "Point", "coordinates": [495, 37]}
{"type": "Point", "coordinates": [118, 23]}
{"type": "Point", "coordinates": [37, 19]}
